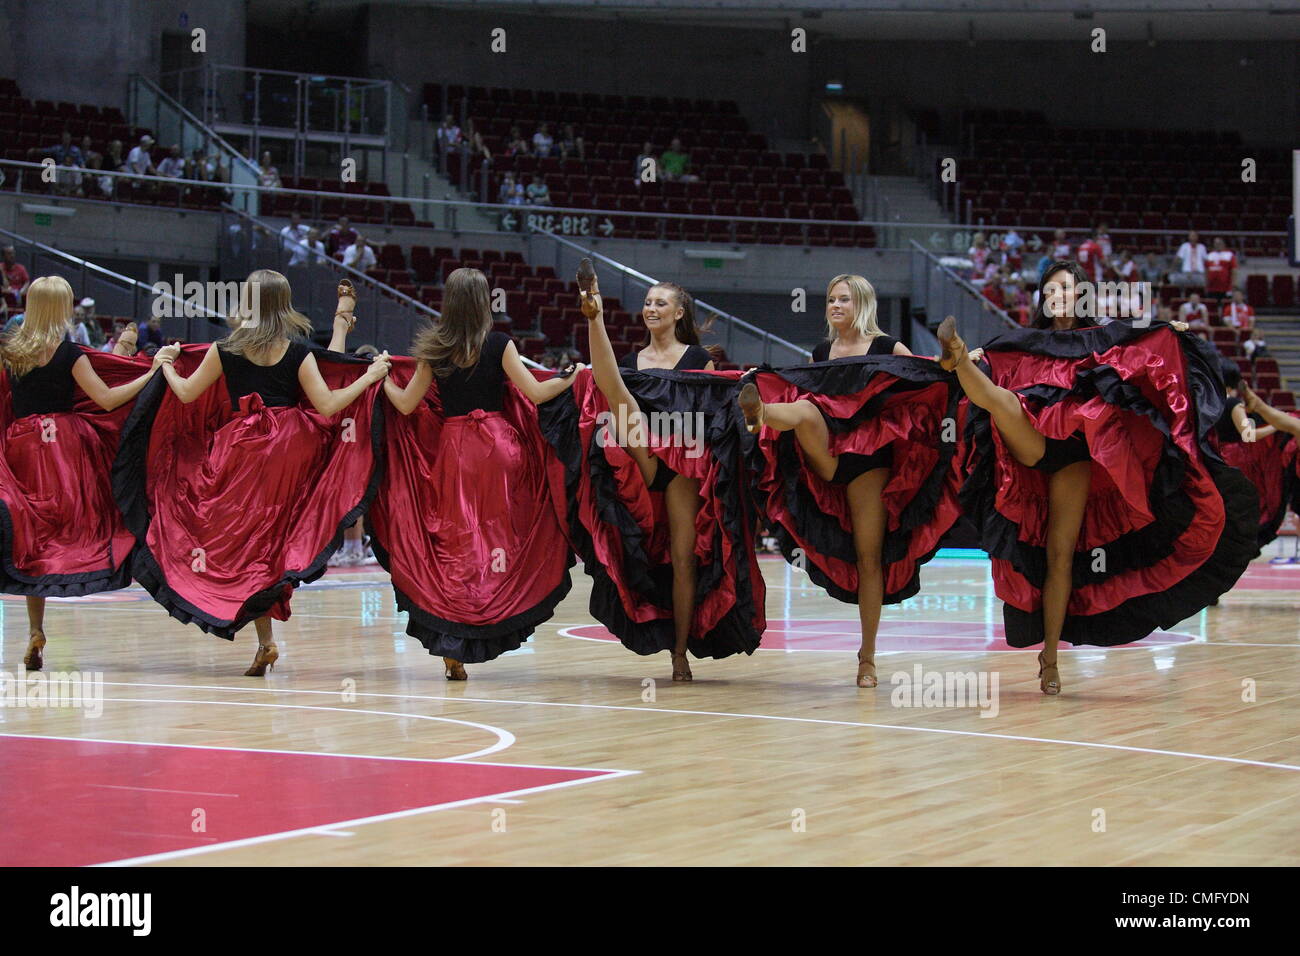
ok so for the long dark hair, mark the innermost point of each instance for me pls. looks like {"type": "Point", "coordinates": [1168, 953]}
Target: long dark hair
{"type": "Point", "coordinates": [686, 329]}
{"type": "Point", "coordinates": [1042, 319]}
{"type": "Point", "coordinates": [457, 339]}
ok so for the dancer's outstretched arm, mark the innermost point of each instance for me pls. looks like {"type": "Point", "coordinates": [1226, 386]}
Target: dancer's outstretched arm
{"type": "Point", "coordinates": [536, 392]}
{"type": "Point", "coordinates": [198, 382]}
{"type": "Point", "coordinates": [407, 400]}
{"type": "Point", "coordinates": [110, 398]}
{"type": "Point", "coordinates": [1279, 420]}
{"type": "Point", "coordinates": [329, 402]}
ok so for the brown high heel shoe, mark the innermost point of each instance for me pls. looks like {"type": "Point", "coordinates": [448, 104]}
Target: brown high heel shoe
{"type": "Point", "coordinates": [751, 405]}
{"type": "Point", "coordinates": [453, 669]}
{"type": "Point", "coordinates": [34, 659]}
{"type": "Point", "coordinates": [267, 655]}
{"type": "Point", "coordinates": [1049, 678]}
{"type": "Point", "coordinates": [682, 670]}
{"type": "Point", "coordinates": [345, 308]}
{"type": "Point", "coordinates": [954, 348]}
{"type": "Point", "coordinates": [867, 679]}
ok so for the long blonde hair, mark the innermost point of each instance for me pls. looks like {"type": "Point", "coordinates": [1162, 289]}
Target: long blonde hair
{"type": "Point", "coordinates": [264, 321]}
{"type": "Point", "coordinates": [456, 341]}
{"type": "Point", "coordinates": [45, 325]}
{"type": "Point", "coordinates": [864, 306]}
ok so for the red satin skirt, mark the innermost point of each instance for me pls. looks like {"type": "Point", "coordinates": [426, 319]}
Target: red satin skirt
{"type": "Point", "coordinates": [898, 410]}
{"type": "Point", "coordinates": [468, 522]}
{"type": "Point", "coordinates": [1268, 465]}
{"type": "Point", "coordinates": [62, 532]}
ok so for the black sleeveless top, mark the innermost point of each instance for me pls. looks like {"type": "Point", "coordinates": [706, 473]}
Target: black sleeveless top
{"type": "Point", "coordinates": [277, 384]}
{"type": "Point", "coordinates": [880, 345]}
{"type": "Point", "coordinates": [1224, 426]}
{"type": "Point", "coordinates": [48, 388]}
{"type": "Point", "coordinates": [694, 359]}
{"type": "Point", "coordinates": [480, 386]}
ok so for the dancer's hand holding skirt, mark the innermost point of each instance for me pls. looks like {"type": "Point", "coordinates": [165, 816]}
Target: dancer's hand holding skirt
{"type": "Point", "coordinates": [618, 525]}
{"type": "Point", "coordinates": [899, 410]}
{"type": "Point", "coordinates": [233, 509]}
{"type": "Point", "coordinates": [1168, 526]}
{"type": "Point", "coordinates": [61, 534]}
{"type": "Point", "coordinates": [469, 521]}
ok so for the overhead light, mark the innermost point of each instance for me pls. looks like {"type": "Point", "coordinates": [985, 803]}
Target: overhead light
{"type": "Point", "coordinates": [833, 87]}
{"type": "Point", "coordinates": [41, 210]}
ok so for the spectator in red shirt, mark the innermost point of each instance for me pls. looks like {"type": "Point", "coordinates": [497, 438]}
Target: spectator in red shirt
{"type": "Point", "coordinates": [979, 257]}
{"type": "Point", "coordinates": [16, 278]}
{"type": "Point", "coordinates": [1220, 270]}
{"type": "Point", "coordinates": [1239, 315]}
{"type": "Point", "coordinates": [1196, 315]}
{"type": "Point", "coordinates": [1090, 257]}
{"type": "Point", "coordinates": [1103, 240]}
{"type": "Point", "coordinates": [1060, 245]}
{"type": "Point", "coordinates": [339, 238]}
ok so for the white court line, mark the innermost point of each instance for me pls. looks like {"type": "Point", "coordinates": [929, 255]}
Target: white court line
{"type": "Point", "coordinates": [505, 739]}
{"type": "Point", "coordinates": [361, 821]}
{"type": "Point", "coordinates": [803, 720]}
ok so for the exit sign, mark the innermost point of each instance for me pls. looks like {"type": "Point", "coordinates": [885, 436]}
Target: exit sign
{"type": "Point", "coordinates": [711, 263]}
{"type": "Point", "coordinates": [41, 218]}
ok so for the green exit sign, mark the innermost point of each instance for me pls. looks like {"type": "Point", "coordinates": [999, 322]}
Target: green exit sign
{"type": "Point", "coordinates": [41, 218]}
{"type": "Point", "coordinates": [711, 263]}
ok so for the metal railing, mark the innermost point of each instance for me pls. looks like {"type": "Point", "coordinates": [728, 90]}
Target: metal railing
{"type": "Point", "coordinates": [744, 343]}
{"type": "Point", "coordinates": [938, 291]}
{"type": "Point", "coordinates": [118, 295]}
{"type": "Point", "coordinates": [174, 125]}
{"type": "Point", "coordinates": [576, 222]}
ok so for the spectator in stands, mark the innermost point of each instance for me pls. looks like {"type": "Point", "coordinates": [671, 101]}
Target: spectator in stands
{"type": "Point", "coordinates": [196, 167]}
{"type": "Point", "coordinates": [150, 334]}
{"type": "Point", "coordinates": [1102, 237]}
{"type": "Point", "coordinates": [268, 175]}
{"type": "Point", "coordinates": [67, 179]}
{"type": "Point", "coordinates": [1090, 257]}
{"type": "Point", "coordinates": [115, 162]}
{"type": "Point", "coordinates": [1013, 249]}
{"type": "Point", "coordinates": [360, 256]}
{"type": "Point", "coordinates": [572, 145]}
{"type": "Point", "coordinates": [1153, 270]}
{"type": "Point", "coordinates": [122, 332]}
{"type": "Point", "coordinates": [1220, 270]}
{"type": "Point", "coordinates": [1255, 347]}
{"type": "Point", "coordinates": [675, 164]}
{"type": "Point", "coordinates": [1239, 315]}
{"type": "Point", "coordinates": [647, 165]}
{"type": "Point", "coordinates": [478, 147]}
{"type": "Point", "coordinates": [98, 186]}
{"type": "Point", "coordinates": [139, 161]}
{"type": "Point", "coordinates": [77, 331]}
{"type": "Point", "coordinates": [995, 289]}
{"type": "Point", "coordinates": [310, 251]}
{"type": "Point", "coordinates": [1127, 268]}
{"type": "Point", "coordinates": [979, 257]}
{"type": "Point", "coordinates": [94, 331]}
{"type": "Point", "coordinates": [516, 145]}
{"type": "Point", "coordinates": [1060, 245]}
{"type": "Point", "coordinates": [448, 134]}
{"type": "Point", "coordinates": [518, 199]}
{"type": "Point", "coordinates": [1018, 301]}
{"type": "Point", "coordinates": [62, 151]}
{"type": "Point", "coordinates": [173, 164]}
{"type": "Point", "coordinates": [88, 152]}
{"type": "Point", "coordinates": [340, 237]}
{"type": "Point", "coordinates": [16, 279]}
{"type": "Point", "coordinates": [294, 235]}
{"type": "Point", "coordinates": [543, 143]}
{"type": "Point", "coordinates": [1196, 315]}
{"type": "Point", "coordinates": [1191, 261]}
{"type": "Point", "coordinates": [507, 190]}
{"type": "Point", "coordinates": [539, 194]}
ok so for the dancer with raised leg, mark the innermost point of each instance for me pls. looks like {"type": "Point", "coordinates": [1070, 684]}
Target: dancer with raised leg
{"type": "Point", "coordinates": [855, 460]}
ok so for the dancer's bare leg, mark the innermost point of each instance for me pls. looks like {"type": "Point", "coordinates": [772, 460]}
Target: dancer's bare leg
{"type": "Point", "coordinates": [1067, 496]}
{"type": "Point", "coordinates": [267, 652]}
{"type": "Point", "coordinates": [682, 502]}
{"type": "Point", "coordinates": [34, 658]}
{"type": "Point", "coordinates": [868, 515]}
{"type": "Point", "coordinates": [810, 431]}
{"type": "Point", "coordinates": [628, 427]}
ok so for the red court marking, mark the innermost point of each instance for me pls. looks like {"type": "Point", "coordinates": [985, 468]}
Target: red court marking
{"type": "Point", "coordinates": [825, 635]}
{"type": "Point", "coordinates": [78, 802]}
{"type": "Point", "coordinates": [1270, 577]}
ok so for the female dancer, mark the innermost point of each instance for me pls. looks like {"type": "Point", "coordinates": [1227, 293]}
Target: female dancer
{"type": "Point", "coordinates": [1270, 460]}
{"type": "Point", "coordinates": [246, 492]}
{"type": "Point", "coordinates": [469, 520]}
{"type": "Point", "coordinates": [693, 472]}
{"type": "Point", "coordinates": [874, 405]}
{"type": "Point", "coordinates": [1103, 504]}
{"type": "Point", "coordinates": [60, 533]}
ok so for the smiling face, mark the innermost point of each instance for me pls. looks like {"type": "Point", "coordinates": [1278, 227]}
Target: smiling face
{"type": "Point", "coordinates": [661, 309]}
{"type": "Point", "coordinates": [840, 310]}
{"type": "Point", "coordinates": [1060, 295]}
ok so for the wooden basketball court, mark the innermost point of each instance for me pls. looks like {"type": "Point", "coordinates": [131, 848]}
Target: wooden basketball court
{"type": "Point", "coordinates": [355, 751]}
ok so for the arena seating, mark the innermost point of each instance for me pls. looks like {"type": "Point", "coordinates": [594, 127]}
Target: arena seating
{"type": "Point", "coordinates": [738, 174]}
{"type": "Point", "coordinates": [1019, 170]}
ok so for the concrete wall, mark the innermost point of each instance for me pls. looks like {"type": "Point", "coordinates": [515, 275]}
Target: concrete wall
{"type": "Point", "coordinates": [84, 50]}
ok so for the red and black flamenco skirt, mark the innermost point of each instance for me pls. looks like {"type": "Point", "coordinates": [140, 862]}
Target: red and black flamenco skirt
{"type": "Point", "coordinates": [61, 534]}
{"type": "Point", "coordinates": [1268, 464]}
{"type": "Point", "coordinates": [900, 411]}
{"type": "Point", "coordinates": [619, 527]}
{"type": "Point", "coordinates": [233, 509]}
{"type": "Point", "coordinates": [469, 521]}
{"type": "Point", "coordinates": [1168, 525]}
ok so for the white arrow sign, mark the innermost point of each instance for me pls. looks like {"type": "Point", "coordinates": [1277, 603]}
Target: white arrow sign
{"type": "Point", "coordinates": [607, 227]}
{"type": "Point", "coordinates": [508, 222]}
